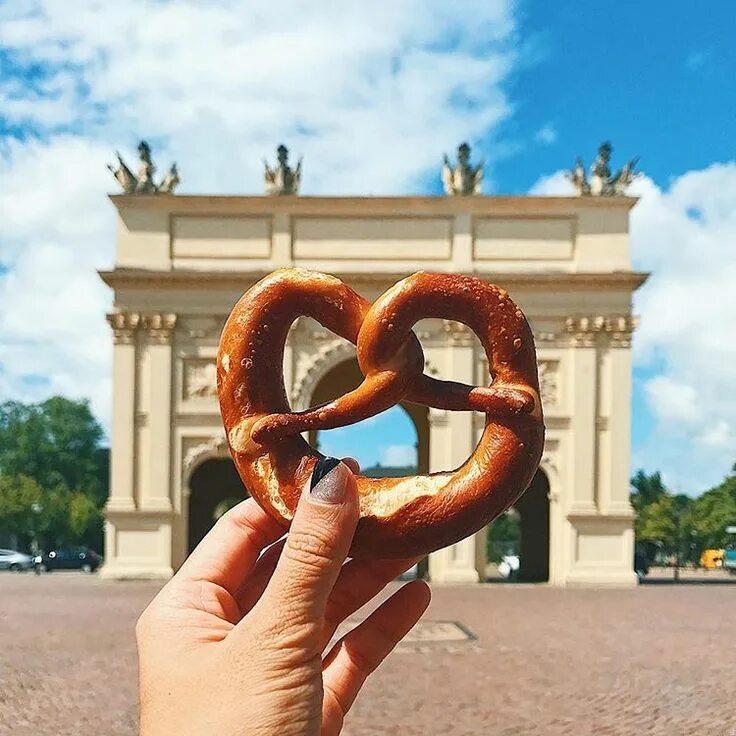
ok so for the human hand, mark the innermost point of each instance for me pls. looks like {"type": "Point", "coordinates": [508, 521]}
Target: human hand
{"type": "Point", "coordinates": [234, 642]}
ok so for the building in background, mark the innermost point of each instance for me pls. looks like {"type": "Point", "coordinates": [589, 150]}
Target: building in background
{"type": "Point", "coordinates": [183, 261]}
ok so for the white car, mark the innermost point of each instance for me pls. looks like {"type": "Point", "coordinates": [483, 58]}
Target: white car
{"type": "Point", "coordinates": [508, 566]}
{"type": "Point", "coordinates": [16, 561]}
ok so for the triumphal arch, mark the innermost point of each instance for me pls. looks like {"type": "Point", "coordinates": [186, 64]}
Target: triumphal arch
{"type": "Point", "coordinates": [183, 261]}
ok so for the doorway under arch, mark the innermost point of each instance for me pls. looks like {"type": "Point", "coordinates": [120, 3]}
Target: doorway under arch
{"type": "Point", "coordinates": [524, 531]}
{"type": "Point", "coordinates": [215, 486]}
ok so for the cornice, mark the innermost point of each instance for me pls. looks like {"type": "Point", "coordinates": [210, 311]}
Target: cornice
{"type": "Point", "coordinates": [187, 278]}
{"type": "Point", "coordinates": [361, 206]}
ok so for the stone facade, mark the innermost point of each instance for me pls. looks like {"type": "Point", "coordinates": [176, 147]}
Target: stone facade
{"type": "Point", "coordinates": [182, 262]}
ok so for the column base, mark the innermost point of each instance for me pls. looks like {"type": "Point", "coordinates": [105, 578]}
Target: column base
{"type": "Point", "coordinates": [134, 572]}
{"type": "Point", "coordinates": [456, 577]}
{"type": "Point", "coordinates": [601, 579]}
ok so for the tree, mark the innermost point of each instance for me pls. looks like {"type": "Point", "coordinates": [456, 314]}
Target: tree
{"type": "Point", "coordinates": [57, 443]}
{"type": "Point", "coordinates": [712, 512]}
{"type": "Point", "coordinates": [34, 514]}
{"type": "Point", "coordinates": [647, 489]}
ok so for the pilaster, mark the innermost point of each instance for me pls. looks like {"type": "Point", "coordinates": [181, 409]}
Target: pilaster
{"type": "Point", "coordinates": [122, 461]}
{"type": "Point", "coordinates": [159, 330]}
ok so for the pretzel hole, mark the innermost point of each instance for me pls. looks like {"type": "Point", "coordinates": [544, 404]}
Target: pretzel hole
{"type": "Point", "coordinates": [406, 444]}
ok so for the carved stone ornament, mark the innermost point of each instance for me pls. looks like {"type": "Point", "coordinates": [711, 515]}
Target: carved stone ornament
{"type": "Point", "coordinates": [458, 333]}
{"type": "Point", "coordinates": [124, 326]}
{"type": "Point", "coordinates": [584, 331]}
{"type": "Point", "coordinates": [601, 182]}
{"type": "Point", "coordinates": [548, 381]}
{"type": "Point", "coordinates": [143, 182]}
{"type": "Point", "coordinates": [215, 447]}
{"type": "Point", "coordinates": [282, 179]}
{"type": "Point", "coordinates": [160, 327]}
{"type": "Point", "coordinates": [200, 379]}
{"type": "Point", "coordinates": [462, 178]}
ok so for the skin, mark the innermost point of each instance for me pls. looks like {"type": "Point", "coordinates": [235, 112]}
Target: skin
{"type": "Point", "coordinates": [235, 643]}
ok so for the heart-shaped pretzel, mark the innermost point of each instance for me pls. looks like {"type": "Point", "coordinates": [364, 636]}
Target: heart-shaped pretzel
{"type": "Point", "coordinates": [400, 517]}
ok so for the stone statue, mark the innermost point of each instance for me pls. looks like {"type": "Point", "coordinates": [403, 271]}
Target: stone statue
{"type": "Point", "coordinates": [462, 179]}
{"type": "Point", "coordinates": [143, 182]}
{"type": "Point", "coordinates": [602, 183]}
{"type": "Point", "coordinates": [578, 178]}
{"type": "Point", "coordinates": [282, 179]}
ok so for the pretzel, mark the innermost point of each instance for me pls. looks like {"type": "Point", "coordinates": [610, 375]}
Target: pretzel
{"type": "Point", "coordinates": [399, 517]}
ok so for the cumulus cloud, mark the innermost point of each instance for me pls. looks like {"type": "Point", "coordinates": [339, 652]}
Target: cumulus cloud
{"type": "Point", "coordinates": [546, 135]}
{"type": "Point", "coordinates": [398, 455]}
{"type": "Point", "coordinates": [371, 94]}
{"type": "Point", "coordinates": [684, 348]}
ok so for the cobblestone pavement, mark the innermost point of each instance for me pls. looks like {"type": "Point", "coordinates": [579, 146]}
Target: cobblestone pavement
{"type": "Point", "coordinates": [658, 659]}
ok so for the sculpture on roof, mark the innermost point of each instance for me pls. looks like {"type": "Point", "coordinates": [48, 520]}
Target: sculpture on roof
{"type": "Point", "coordinates": [462, 178]}
{"type": "Point", "coordinates": [282, 179]}
{"type": "Point", "coordinates": [601, 182]}
{"type": "Point", "coordinates": [143, 182]}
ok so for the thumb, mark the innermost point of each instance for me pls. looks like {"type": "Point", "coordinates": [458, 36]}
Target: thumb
{"type": "Point", "coordinates": [317, 544]}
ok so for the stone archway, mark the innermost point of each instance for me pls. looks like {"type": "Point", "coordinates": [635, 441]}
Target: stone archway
{"type": "Point", "coordinates": [525, 531]}
{"type": "Point", "coordinates": [214, 486]}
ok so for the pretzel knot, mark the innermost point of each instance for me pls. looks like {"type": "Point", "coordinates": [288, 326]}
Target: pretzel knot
{"type": "Point", "coordinates": [399, 516]}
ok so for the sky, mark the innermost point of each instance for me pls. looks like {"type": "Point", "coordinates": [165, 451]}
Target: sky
{"type": "Point", "coordinates": [372, 95]}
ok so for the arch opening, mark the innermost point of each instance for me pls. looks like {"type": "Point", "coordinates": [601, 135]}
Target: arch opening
{"type": "Point", "coordinates": [518, 542]}
{"type": "Point", "coordinates": [395, 442]}
{"type": "Point", "coordinates": [215, 486]}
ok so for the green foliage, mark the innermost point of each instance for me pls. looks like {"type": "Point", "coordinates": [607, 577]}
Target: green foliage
{"type": "Point", "coordinates": [53, 472]}
{"type": "Point", "coordinates": [712, 512]}
{"type": "Point", "coordinates": [678, 521]}
{"type": "Point", "coordinates": [647, 489]}
{"type": "Point", "coordinates": [503, 536]}
{"type": "Point", "coordinates": [57, 443]}
{"type": "Point", "coordinates": [33, 513]}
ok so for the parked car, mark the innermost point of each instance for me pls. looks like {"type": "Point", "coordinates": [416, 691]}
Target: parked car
{"type": "Point", "coordinates": [16, 561]}
{"type": "Point", "coordinates": [69, 558]}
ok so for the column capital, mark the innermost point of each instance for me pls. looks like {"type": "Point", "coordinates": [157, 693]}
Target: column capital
{"type": "Point", "coordinates": [124, 326]}
{"type": "Point", "coordinates": [587, 331]}
{"type": "Point", "coordinates": [160, 327]}
{"type": "Point", "coordinates": [459, 334]}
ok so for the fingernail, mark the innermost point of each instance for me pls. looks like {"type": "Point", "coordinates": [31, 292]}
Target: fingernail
{"type": "Point", "coordinates": [328, 481]}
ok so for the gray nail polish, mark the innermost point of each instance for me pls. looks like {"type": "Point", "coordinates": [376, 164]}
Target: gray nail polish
{"type": "Point", "coordinates": [327, 484]}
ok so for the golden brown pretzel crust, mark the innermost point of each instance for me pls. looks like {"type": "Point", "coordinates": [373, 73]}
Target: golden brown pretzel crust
{"type": "Point", "coordinates": [400, 517]}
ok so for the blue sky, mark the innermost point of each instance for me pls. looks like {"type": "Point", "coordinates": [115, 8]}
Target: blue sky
{"type": "Point", "coordinates": [378, 92]}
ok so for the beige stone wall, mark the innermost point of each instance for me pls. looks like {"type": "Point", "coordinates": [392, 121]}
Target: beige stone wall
{"type": "Point", "coordinates": [182, 262]}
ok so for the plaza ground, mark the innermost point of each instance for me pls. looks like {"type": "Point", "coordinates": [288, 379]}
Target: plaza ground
{"type": "Point", "coordinates": [657, 659]}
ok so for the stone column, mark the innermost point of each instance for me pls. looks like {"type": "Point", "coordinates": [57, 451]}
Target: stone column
{"type": "Point", "coordinates": [583, 415]}
{"type": "Point", "coordinates": [122, 460]}
{"type": "Point", "coordinates": [618, 405]}
{"type": "Point", "coordinates": [160, 330]}
{"type": "Point", "coordinates": [451, 442]}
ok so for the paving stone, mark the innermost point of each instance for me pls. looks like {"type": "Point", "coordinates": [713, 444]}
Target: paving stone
{"type": "Point", "coordinates": [655, 661]}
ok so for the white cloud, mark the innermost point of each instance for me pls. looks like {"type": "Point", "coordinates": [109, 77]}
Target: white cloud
{"type": "Point", "coordinates": [398, 455]}
{"type": "Point", "coordinates": [546, 135]}
{"type": "Point", "coordinates": [686, 236]}
{"type": "Point", "coordinates": [371, 94]}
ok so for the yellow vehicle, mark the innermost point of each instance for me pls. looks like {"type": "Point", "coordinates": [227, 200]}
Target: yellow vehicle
{"type": "Point", "coordinates": [711, 559]}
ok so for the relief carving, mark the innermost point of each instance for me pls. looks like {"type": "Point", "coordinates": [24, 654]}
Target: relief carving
{"type": "Point", "coordinates": [548, 381]}
{"type": "Point", "coordinates": [200, 379]}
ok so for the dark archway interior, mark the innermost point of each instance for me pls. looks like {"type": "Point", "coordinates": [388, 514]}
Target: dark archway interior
{"type": "Point", "coordinates": [346, 376]}
{"type": "Point", "coordinates": [533, 508]}
{"type": "Point", "coordinates": [215, 486]}
{"type": "Point", "coordinates": [524, 531]}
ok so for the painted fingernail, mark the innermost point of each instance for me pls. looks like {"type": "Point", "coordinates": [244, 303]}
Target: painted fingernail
{"type": "Point", "coordinates": [327, 484]}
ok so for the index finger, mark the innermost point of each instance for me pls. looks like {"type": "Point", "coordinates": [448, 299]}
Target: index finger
{"type": "Point", "coordinates": [230, 549]}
